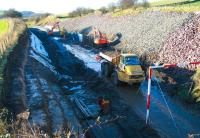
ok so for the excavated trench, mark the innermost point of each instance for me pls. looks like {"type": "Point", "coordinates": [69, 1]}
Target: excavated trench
{"type": "Point", "coordinates": [168, 115]}
{"type": "Point", "coordinates": [176, 121]}
{"type": "Point", "coordinates": [52, 96]}
{"type": "Point", "coordinates": [55, 80]}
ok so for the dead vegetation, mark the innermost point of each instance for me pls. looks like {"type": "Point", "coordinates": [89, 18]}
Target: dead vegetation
{"type": "Point", "coordinates": [7, 43]}
{"type": "Point", "coordinates": [16, 27]}
{"type": "Point", "coordinates": [196, 91]}
{"type": "Point", "coordinates": [41, 20]}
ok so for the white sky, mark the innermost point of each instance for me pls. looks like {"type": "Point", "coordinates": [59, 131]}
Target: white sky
{"type": "Point", "coordinates": [52, 6]}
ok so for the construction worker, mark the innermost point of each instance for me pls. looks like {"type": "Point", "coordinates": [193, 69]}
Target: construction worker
{"type": "Point", "coordinates": [104, 105]}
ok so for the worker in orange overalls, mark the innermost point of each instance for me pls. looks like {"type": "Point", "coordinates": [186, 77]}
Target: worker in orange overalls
{"type": "Point", "coordinates": [104, 105]}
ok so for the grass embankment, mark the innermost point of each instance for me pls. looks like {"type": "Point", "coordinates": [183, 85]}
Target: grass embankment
{"type": "Point", "coordinates": [159, 6]}
{"type": "Point", "coordinates": [130, 11]}
{"type": "Point", "coordinates": [165, 2]}
{"type": "Point", "coordinates": [40, 21]}
{"type": "Point", "coordinates": [163, 5]}
{"type": "Point", "coordinates": [12, 29]}
{"type": "Point", "coordinates": [4, 25]}
{"type": "Point", "coordinates": [49, 19]}
{"type": "Point", "coordinates": [176, 5]}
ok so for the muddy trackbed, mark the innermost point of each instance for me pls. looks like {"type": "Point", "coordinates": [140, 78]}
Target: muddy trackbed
{"type": "Point", "coordinates": [48, 79]}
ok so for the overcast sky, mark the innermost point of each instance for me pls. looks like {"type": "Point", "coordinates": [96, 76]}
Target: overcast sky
{"type": "Point", "coordinates": [52, 6]}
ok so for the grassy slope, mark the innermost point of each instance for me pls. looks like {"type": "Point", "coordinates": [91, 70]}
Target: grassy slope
{"type": "Point", "coordinates": [43, 21]}
{"type": "Point", "coordinates": [165, 2]}
{"type": "Point", "coordinates": [49, 19]}
{"type": "Point", "coordinates": [4, 25]}
{"type": "Point", "coordinates": [159, 5]}
{"type": "Point", "coordinates": [8, 41]}
{"type": "Point", "coordinates": [187, 6]}
{"type": "Point", "coordinates": [131, 11]}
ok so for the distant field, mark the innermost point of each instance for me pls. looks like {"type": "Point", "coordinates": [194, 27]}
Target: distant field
{"type": "Point", "coordinates": [197, 3]}
{"type": "Point", "coordinates": [166, 2]}
{"type": "Point", "coordinates": [176, 3]}
{"type": "Point", "coordinates": [4, 25]}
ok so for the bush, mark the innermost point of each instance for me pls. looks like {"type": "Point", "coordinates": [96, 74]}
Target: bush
{"type": "Point", "coordinates": [196, 91]}
{"type": "Point", "coordinates": [12, 14]}
{"type": "Point", "coordinates": [124, 4]}
{"type": "Point", "coordinates": [103, 10]}
{"type": "Point", "coordinates": [112, 7]}
{"type": "Point", "coordinates": [80, 11]}
{"type": "Point", "coordinates": [146, 4]}
{"type": "Point", "coordinates": [4, 114]}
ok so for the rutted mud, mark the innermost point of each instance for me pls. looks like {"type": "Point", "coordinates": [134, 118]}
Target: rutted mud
{"type": "Point", "coordinates": [45, 99]}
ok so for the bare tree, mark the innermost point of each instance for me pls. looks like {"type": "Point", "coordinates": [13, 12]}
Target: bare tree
{"type": "Point", "coordinates": [80, 11]}
{"type": "Point", "coordinates": [103, 10]}
{"type": "Point", "coordinates": [124, 4]}
{"type": "Point", "coordinates": [145, 3]}
{"type": "Point", "coordinates": [12, 13]}
{"type": "Point", "coordinates": [112, 6]}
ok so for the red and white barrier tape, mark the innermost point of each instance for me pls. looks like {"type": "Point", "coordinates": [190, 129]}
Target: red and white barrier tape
{"type": "Point", "coordinates": [150, 73]}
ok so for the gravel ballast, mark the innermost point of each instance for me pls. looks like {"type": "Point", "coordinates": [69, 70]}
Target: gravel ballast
{"type": "Point", "coordinates": [145, 32]}
{"type": "Point", "coordinates": [183, 46]}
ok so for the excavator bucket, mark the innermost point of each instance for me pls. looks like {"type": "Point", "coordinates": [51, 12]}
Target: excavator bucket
{"type": "Point", "coordinates": [100, 41]}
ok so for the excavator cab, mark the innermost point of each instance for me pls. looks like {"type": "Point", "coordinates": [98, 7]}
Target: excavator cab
{"type": "Point", "coordinates": [99, 38]}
